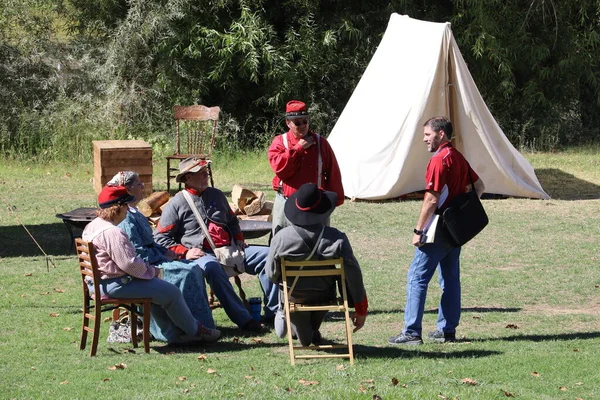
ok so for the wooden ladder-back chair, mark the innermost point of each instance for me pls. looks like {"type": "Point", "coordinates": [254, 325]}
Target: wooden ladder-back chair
{"type": "Point", "coordinates": [322, 268]}
{"type": "Point", "coordinates": [196, 127]}
{"type": "Point", "coordinates": [94, 305]}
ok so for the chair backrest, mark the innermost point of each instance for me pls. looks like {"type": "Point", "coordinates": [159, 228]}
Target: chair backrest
{"type": "Point", "coordinates": [88, 266]}
{"type": "Point", "coordinates": [321, 268]}
{"type": "Point", "coordinates": [196, 127]}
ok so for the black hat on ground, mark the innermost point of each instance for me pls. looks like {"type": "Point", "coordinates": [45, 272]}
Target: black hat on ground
{"type": "Point", "coordinates": [309, 205]}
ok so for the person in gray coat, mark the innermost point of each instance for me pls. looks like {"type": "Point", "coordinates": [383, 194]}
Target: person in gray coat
{"type": "Point", "coordinates": [308, 238]}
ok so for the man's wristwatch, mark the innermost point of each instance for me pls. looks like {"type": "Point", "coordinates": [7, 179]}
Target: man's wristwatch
{"type": "Point", "coordinates": [418, 231]}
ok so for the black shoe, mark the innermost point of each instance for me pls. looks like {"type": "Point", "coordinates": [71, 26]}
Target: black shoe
{"type": "Point", "coordinates": [442, 337]}
{"type": "Point", "coordinates": [405, 339]}
{"type": "Point", "coordinates": [317, 339]}
{"type": "Point", "coordinates": [268, 320]}
{"type": "Point", "coordinates": [254, 326]}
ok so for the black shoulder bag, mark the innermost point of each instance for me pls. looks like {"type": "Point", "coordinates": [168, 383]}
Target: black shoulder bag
{"type": "Point", "coordinates": [465, 217]}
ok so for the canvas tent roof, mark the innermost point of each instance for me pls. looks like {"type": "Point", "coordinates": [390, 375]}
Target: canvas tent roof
{"type": "Point", "coordinates": [416, 73]}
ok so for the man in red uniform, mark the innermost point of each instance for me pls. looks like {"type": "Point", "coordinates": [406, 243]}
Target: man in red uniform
{"type": "Point", "coordinates": [447, 176]}
{"type": "Point", "coordinates": [301, 156]}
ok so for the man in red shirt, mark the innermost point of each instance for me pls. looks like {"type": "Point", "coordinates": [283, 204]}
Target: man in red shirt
{"type": "Point", "coordinates": [447, 176]}
{"type": "Point", "coordinates": [301, 156]}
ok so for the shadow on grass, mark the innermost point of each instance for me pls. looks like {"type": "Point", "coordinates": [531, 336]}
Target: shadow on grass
{"type": "Point", "coordinates": [339, 316]}
{"type": "Point", "coordinates": [361, 351]}
{"type": "Point", "coordinates": [563, 186]}
{"type": "Point", "coordinates": [544, 338]}
{"type": "Point", "coordinates": [54, 239]}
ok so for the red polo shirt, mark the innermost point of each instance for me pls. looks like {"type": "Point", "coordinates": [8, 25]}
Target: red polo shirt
{"type": "Point", "coordinates": [448, 174]}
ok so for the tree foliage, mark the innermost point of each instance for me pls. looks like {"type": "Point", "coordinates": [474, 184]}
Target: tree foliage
{"type": "Point", "coordinates": [125, 63]}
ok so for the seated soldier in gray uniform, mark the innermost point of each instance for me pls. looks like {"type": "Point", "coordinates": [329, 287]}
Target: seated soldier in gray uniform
{"type": "Point", "coordinates": [308, 238]}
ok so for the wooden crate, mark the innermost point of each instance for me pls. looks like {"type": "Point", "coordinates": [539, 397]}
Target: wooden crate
{"type": "Point", "coordinates": [112, 156]}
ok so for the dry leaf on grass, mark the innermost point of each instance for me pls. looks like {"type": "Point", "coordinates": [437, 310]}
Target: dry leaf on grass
{"type": "Point", "coordinates": [29, 274]}
{"type": "Point", "coordinates": [257, 340]}
{"type": "Point", "coordinates": [469, 381]}
{"type": "Point", "coordinates": [395, 381]}
{"type": "Point", "coordinates": [441, 396]}
{"type": "Point", "coordinates": [248, 377]}
{"type": "Point", "coordinates": [579, 383]}
{"type": "Point", "coordinates": [289, 390]}
{"type": "Point", "coordinates": [44, 293]}
{"type": "Point", "coordinates": [536, 374]}
{"type": "Point", "coordinates": [64, 383]}
{"type": "Point", "coordinates": [33, 368]}
{"type": "Point", "coordinates": [117, 366]}
{"type": "Point", "coordinates": [182, 378]}
{"type": "Point", "coordinates": [512, 326]}
{"type": "Point", "coordinates": [211, 371]}
{"type": "Point", "coordinates": [340, 367]}
{"type": "Point", "coordinates": [376, 397]}
{"type": "Point", "coordinates": [186, 390]}
{"type": "Point", "coordinates": [576, 350]}
{"type": "Point", "coordinates": [202, 357]}
{"type": "Point", "coordinates": [508, 394]}
{"type": "Point", "coordinates": [235, 339]}
{"type": "Point", "coordinates": [54, 314]}
{"type": "Point", "coordinates": [362, 389]}
{"type": "Point", "coordinates": [308, 383]}
{"type": "Point", "coordinates": [105, 379]}
{"type": "Point", "coordinates": [564, 389]}
{"type": "Point", "coordinates": [59, 290]}
{"type": "Point", "coordinates": [367, 381]}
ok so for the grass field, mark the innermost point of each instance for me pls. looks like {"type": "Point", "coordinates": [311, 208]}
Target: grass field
{"type": "Point", "coordinates": [530, 327]}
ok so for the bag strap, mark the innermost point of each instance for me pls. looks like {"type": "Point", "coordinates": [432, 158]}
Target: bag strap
{"type": "Point", "coordinates": [188, 198]}
{"type": "Point", "coordinates": [314, 249]}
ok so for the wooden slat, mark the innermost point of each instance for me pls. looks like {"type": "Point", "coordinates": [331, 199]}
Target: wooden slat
{"type": "Point", "coordinates": [197, 113]}
{"type": "Point", "coordinates": [313, 272]}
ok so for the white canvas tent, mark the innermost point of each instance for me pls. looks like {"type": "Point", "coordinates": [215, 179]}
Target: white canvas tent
{"type": "Point", "coordinates": [416, 73]}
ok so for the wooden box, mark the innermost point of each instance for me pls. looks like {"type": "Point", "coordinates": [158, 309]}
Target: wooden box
{"type": "Point", "coordinates": [112, 156]}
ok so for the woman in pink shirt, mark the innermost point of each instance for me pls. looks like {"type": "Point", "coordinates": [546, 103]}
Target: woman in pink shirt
{"type": "Point", "coordinates": [125, 275]}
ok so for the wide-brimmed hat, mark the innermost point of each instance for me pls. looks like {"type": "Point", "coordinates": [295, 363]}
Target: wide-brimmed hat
{"type": "Point", "coordinates": [309, 205]}
{"type": "Point", "coordinates": [111, 195]}
{"type": "Point", "coordinates": [295, 109]}
{"type": "Point", "coordinates": [190, 164]}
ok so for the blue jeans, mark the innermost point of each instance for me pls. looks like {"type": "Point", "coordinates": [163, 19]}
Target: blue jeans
{"type": "Point", "coordinates": [446, 259]}
{"type": "Point", "coordinates": [256, 257]}
{"type": "Point", "coordinates": [168, 306]}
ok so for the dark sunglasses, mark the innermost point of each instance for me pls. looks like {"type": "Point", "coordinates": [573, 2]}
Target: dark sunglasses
{"type": "Point", "coordinates": [300, 122]}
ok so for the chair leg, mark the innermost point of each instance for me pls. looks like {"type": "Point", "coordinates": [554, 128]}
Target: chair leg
{"type": "Point", "coordinates": [288, 322]}
{"type": "Point", "coordinates": [96, 333]}
{"type": "Point", "coordinates": [133, 325]}
{"type": "Point", "coordinates": [349, 335]}
{"type": "Point", "coordinates": [210, 174]}
{"type": "Point", "coordinates": [146, 321]}
{"type": "Point", "coordinates": [168, 176]}
{"type": "Point", "coordinates": [84, 326]}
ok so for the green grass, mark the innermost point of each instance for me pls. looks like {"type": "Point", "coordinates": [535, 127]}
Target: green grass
{"type": "Point", "coordinates": [536, 267]}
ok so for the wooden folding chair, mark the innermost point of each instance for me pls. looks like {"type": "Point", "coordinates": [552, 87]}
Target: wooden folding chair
{"type": "Point", "coordinates": [94, 305]}
{"type": "Point", "coordinates": [322, 268]}
{"type": "Point", "coordinates": [196, 127]}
